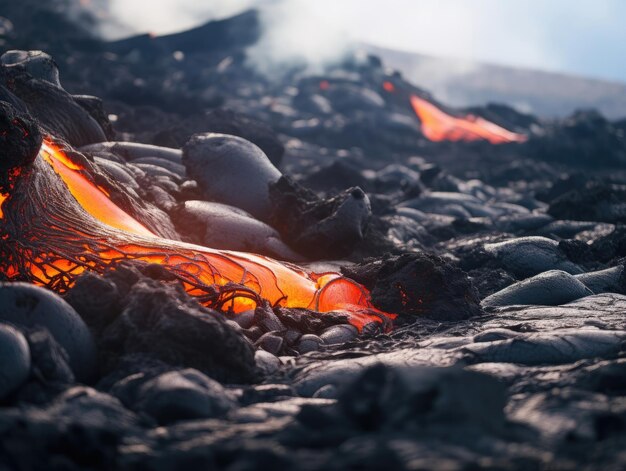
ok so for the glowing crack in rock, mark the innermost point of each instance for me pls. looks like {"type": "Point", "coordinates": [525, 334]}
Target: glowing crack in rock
{"type": "Point", "coordinates": [56, 224]}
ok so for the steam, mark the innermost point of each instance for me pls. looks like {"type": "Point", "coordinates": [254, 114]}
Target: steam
{"type": "Point", "coordinates": [440, 77]}
{"type": "Point", "coordinates": [561, 35]}
{"type": "Point", "coordinates": [293, 31]}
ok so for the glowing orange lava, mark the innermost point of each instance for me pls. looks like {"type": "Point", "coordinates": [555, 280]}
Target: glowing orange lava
{"type": "Point", "coordinates": [91, 198]}
{"type": "Point", "coordinates": [96, 234]}
{"type": "Point", "coordinates": [2, 199]}
{"type": "Point", "coordinates": [389, 87]}
{"type": "Point", "coordinates": [438, 126]}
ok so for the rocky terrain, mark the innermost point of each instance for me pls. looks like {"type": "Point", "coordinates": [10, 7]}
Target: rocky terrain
{"type": "Point", "coordinates": [463, 83]}
{"type": "Point", "coordinates": [504, 264]}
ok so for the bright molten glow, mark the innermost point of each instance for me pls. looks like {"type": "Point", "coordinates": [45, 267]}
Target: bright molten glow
{"type": "Point", "coordinates": [96, 234]}
{"type": "Point", "coordinates": [389, 87]}
{"type": "Point", "coordinates": [438, 126]}
{"type": "Point", "coordinates": [2, 199]}
{"type": "Point", "coordinates": [90, 197]}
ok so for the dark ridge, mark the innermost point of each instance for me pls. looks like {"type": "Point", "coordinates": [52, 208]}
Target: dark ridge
{"type": "Point", "coordinates": [237, 32]}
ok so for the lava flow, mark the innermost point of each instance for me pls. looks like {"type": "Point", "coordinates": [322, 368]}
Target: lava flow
{"type": "Point", "coordinates": [56, 224]}
{"type": "Point", "coordinates": [439, 126]}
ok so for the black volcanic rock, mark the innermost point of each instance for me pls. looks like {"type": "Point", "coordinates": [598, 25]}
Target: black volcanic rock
{"type": "Point", "coordinates": [237, 32]}
{"type": "Point", "coordinates": [50, 372]}
{"type": "Point", "coordinates": [95, 107]}
{"type": "Point", "coordinates": [54, 108]}
{"type": "Point", "coordinates": [596, 201]}
{"type": "Point", "coordinates": [586, 139]}
{"type": "Point", "coordinates": [418, 284]}
{"type": "Point", "coordinates": [20, 139]}
{"type": "Point", "coordinates": [505, 116]}
{"type": "Point", "coordinates": [150, 316]}
{"type": "Point", "coordinates": [30, 25]}
{"type": "Point", "coordinates": [337, 176]}
{"type": "Point", "coordinates": [82, 428]}
{"type": "Point", "coordinates": [318, 227]}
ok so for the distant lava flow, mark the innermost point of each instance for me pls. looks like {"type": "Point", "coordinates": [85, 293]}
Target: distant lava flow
{"type": "Point", "coordinates": [55, 224]}
{"type": "Point", "coordinates": [438, 126]}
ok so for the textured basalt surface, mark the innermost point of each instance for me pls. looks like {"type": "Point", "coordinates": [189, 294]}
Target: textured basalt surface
{"type": "Point", "coordinates": [504, 264]}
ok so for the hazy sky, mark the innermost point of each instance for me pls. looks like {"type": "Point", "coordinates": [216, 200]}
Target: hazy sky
{"type": "Point", "coordinates": [586, 37]}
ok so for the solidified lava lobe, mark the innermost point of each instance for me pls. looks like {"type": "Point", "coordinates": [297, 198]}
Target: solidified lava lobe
{"type": "Point", "coordinates": [56, 224]}
{"type": "Point", "coordinates": [439, 126]}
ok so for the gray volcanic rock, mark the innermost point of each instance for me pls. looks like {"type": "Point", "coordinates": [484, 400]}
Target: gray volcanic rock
{"type": "Point", "coordinates": [339, 334]}
{"type": "Point", "coordinates": [313, 376]}
{"type": "Point", "coordinates": [309, 343]}
{"type": "Point", "coordinates": [131, 151]}
{"type": "Point", "coordinates": [30, 306]}
{"type": "Point", "coordinates": [462, 205]}
{"type": "Point", "coordinates": [267, 362]}
{"type": "Point", "coordinates": [528, 256]}
{"type": "Point", "coordinates": [570, 415]}
{"type": "Point", "coordinates": [231, 170]}
{"type": "Point", "coordinates": [550, 288]}
{"type": "Point", "coordinates": [563, 346]}
{"type": "Point", "coordinates": [600, 310]}
{"type": "Point", "coordinates": [604, 377]}
{"type": "Point", "coordinates": [14, 359]}
{"type": "Point", "coordinates": [95, 107]}
{"type": "Point", "coordinates": [384, 397]}
{"type": "Point", "coordinates": [602, 281]}
{"type": "Point", "coordinates": [176, 168]}
{"type": "Point", "coordinates": [119, 173]}
{"type": "Point", "coordinates": [183, 395]}
{"type": "Point", "coordinates": [522, 222]}
{"type": "Point", "coordinates": [37, 63]}
{"type": "Point", "coordinates": [220, 226]}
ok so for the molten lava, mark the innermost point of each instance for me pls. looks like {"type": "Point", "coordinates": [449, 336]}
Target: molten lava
{"type": "Point", "coordinates": [92, 199]}
{"type": "Point", "coordinates": [388, 86]}
{"type": "Point", "coordinates": [2, 199]}
{"type": "Point", "coordinates": [56, 224]}
{"type": "Point", "coordinates": [438, 126]}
